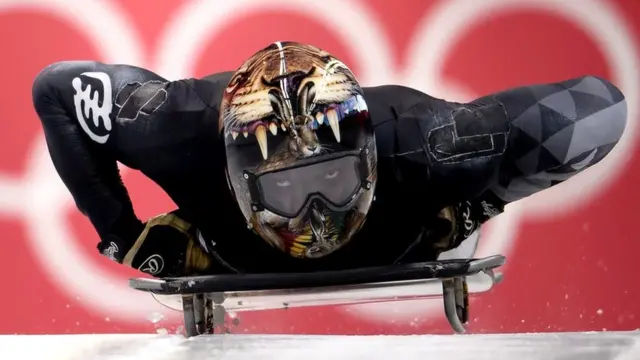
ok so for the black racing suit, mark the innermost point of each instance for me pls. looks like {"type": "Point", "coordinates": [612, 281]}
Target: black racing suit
{"type": "Point", "coordinates": [444, 168]}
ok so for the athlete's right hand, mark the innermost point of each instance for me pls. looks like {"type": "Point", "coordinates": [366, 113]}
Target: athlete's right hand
{"type": "Point", "coordinates": [167, 247]}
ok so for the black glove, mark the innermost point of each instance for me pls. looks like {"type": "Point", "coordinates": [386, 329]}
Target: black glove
{"type": "Point", "coordinates": [453, 225]}
{"type": "Point", "coordinates": [167, 247]}
{"type": "Point", "coordinates": [467, 217]}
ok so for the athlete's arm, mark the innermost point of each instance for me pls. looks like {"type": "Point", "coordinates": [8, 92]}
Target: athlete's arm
{"type": "Point", "coordinates": [502, 147]}
{"type": "Point", "coordinates": [91, 114]}
{"type": "Point", "coordinates": [555, 131]}
{"type": "Point", "coordinates": [80, 149]}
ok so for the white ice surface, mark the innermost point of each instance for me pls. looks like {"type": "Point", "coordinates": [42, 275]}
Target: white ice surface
{"type": "Point", "coordinates": [565, 346]}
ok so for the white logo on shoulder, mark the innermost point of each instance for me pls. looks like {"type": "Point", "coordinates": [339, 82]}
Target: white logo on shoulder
{"type": "Point", "coordinates": [153, 265]}
{"type": "Point", "coordinates": [87, 105]}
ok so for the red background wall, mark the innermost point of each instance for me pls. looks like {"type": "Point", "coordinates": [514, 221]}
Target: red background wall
{"type": "Point", "coordinates": [571, 251]}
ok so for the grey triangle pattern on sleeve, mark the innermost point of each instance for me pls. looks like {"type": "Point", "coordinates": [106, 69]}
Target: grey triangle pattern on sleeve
{"type": "Point", "coordinates": [576, 119]}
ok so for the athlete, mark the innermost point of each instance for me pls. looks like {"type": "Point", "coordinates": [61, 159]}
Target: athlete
{"type": "Point", "coordinates": [288, 164]}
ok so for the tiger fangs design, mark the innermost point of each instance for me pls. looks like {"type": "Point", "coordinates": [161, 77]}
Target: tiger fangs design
{"type": "Point", "coordinates": [268, 95]}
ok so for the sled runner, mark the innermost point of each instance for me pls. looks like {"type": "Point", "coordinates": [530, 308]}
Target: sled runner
{"type": "Point", "coordinates": [206, 299]}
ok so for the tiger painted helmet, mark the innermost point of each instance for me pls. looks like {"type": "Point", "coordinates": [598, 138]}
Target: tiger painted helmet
{"type": "Point", "coordinates": [300, 148]}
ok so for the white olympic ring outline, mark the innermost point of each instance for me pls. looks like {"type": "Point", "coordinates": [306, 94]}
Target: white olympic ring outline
{"type": "Point", "coordinates": [41, 198]}
{"type": "Point", "coordinates": [440, 30]}
{"type": "Point", "coordinates": [202, 19]}
{"type": "Point", "coordinates": [596, 18]}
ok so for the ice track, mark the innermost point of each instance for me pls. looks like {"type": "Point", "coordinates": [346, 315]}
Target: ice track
{"type": "Point", "coordinates": [565, 346]}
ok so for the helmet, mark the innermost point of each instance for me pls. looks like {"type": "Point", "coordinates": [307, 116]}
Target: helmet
{"type": "Point", "coordinates": [300, 148]}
